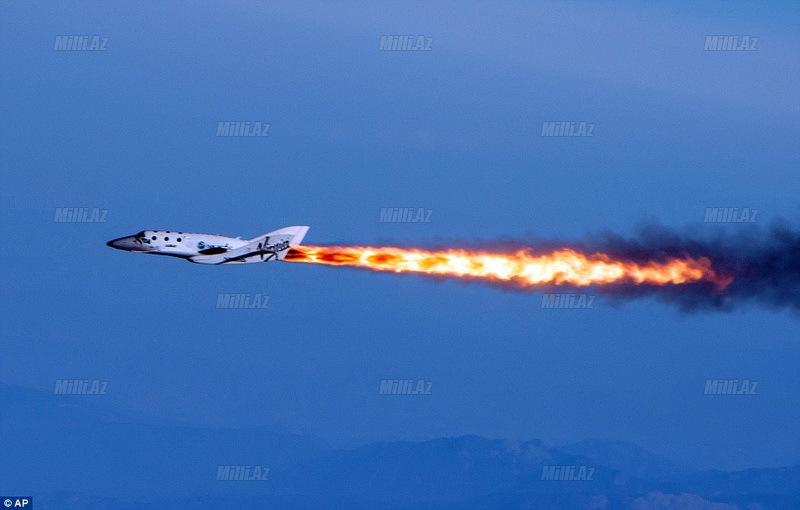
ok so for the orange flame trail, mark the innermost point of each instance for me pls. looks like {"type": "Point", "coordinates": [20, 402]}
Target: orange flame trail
{"type": "Point", "coordinates": [521, 268]}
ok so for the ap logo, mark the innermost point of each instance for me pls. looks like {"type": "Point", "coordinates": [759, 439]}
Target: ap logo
{"type": "Point", "coordinates": [18, 502]}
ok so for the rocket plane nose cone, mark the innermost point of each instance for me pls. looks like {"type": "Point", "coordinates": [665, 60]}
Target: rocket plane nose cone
{"type": "Point", "coordinates": [123, 243]}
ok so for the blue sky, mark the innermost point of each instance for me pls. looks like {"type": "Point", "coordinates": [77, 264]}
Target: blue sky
{"type": "Point", "coordinates": [354, 129]}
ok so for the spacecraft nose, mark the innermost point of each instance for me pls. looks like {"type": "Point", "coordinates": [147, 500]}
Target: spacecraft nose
{"type": "Point", "coordinates": [123, 243]}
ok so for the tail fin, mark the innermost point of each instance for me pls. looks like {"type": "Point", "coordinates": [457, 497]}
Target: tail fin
{"type": "Point", "coordinates": [277, 243]}
{"type": "Point", "coordinates": [295, 235]}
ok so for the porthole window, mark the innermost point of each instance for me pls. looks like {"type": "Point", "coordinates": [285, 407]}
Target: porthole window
{"type": "Point", "coordinates": [179, 239]}
{"type": "Point", "coordinates": [166, 238]}
{"type": "Point", "coordinates": [154, 238]}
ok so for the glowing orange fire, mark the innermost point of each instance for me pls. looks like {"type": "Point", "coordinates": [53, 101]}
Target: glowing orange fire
{"type": "Point", "coordinates": [522, 268]}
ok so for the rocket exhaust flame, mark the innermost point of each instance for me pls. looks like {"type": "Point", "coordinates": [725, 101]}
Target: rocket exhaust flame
{"type": "Point", "coordinates": [695, 270]}
{"type": "Point", "coordinates": [520, 268]}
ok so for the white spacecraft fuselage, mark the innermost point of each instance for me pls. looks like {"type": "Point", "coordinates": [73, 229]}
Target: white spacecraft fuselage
{"type": "Point", "coordinates": [210, 248]}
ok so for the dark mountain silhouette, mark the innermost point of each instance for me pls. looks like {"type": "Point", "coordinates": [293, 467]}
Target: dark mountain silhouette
{"type": "Point", "coordinates": [630, 459]}
{"type": "Point", "coordinates": [72, 452]}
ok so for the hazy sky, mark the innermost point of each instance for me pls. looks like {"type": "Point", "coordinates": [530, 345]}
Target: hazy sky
{"type": "Point", "coordinates": [352, 130]}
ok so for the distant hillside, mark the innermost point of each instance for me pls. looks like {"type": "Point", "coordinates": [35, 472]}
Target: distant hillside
{"type": "Point", "coordinates": [629, 459]}
{"type": "Point", "coordinates": [70, 453]}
